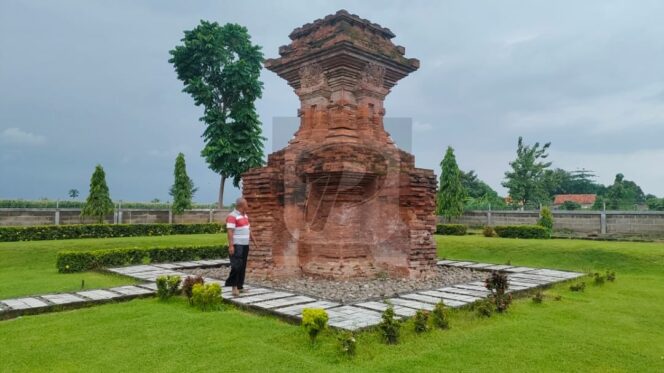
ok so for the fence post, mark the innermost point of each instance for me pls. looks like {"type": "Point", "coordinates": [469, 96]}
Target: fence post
{"type": "Point", "coordinates": [120, 212]}
{"type": "Point", "coordinates": [57, 213]}
{"type": "Point", "coordinates": [170, 215]}
{"type": "Point", "coordinates": [602, 219]}
{"type": "Point", "coordinates": [210, 221]}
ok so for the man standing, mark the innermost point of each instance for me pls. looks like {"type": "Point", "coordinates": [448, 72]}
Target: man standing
{"type": "Point", "coordinates": [237, 228]}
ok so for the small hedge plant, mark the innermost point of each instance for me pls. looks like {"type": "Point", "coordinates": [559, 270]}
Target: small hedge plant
{"type": "Point", "coordinates": [440, 316]}
{"type": "Point", "coordinates": [389, 326]}
{"type": "Point", "coordinates": [314, 321]}
{"type": "Point", "coordinates": [497, 284]}
{"type": "Point", "coordinates": [488, 231]}
{"type": "Point", "coordinates": [188, 286]}
{"type": "Point", "coordinates": [167, 286]}
{"type": "Point", "coordinates": [546, 220]}
{"type": "Point", "coordinates": [522, 231]}
{"type": "Point", "coordinates": [451, 229]}
{"type": "Point", "coordinates": [347, 344]}
{"type": "Point", "coordinates": [79, 261]}
{"type": "Point", "coordinates": [65, 232]}
{"type": "Point", "coordinates": [206, 297]}
{"type": "Point", "coordinates": [421, 321]}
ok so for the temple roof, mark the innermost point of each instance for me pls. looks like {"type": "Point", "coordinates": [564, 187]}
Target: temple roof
{"type": "Point", "coordinates": [340, 15]}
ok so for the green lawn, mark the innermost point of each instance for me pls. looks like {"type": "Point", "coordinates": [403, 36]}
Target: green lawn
{"type": "Point", "coordinates": [618, 327]}
{"type": "Point", "coordinates": [28, 268]}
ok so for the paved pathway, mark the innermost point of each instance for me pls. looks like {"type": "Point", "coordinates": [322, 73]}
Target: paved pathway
{"type": "Point", "coordinates": [289, 305]}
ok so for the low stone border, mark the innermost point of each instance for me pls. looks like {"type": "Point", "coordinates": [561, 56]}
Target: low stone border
{"type": "Point", "coordinates": [289, 306]}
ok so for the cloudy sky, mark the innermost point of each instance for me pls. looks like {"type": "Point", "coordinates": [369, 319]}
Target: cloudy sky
{"type": "Point", "coordinates": [87, 82]}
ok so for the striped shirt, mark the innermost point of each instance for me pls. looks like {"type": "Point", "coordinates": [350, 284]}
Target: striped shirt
{"type": "Point", "coordinates": [239, 223]}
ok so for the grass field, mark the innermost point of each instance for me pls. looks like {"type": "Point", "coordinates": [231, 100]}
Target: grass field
{"type": "Point", "coordinates": [614, 328]}
{"type": "Point", "coordinates": [28, 268]}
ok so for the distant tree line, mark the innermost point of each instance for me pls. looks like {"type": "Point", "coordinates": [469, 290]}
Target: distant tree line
{"type": "Point", "coordinates": [532, 183]}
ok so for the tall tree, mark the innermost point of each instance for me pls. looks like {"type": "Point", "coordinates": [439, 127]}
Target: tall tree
{"type": "Point", "coordinates": [73, 193]}
{"type": "Point", "coordinates": [623, 194]}
{"type": "Point", "coordinates": [525, 182]}
{"type": "Point", "coordinates": [220, 67]}
{"type": "Point", "coordinates": [183, 188]}
{"type": "Point", "coordinates": [98, 204]}
{"type": "Point", "coordinates": [451, 193]}
{"type": "Point", "coordinates": [479, 195]}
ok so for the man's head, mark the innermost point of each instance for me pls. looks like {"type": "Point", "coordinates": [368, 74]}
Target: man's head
{"type": "Point", "coordinates": [241, 205]}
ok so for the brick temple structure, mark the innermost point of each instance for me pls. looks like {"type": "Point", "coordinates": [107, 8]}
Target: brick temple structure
{"type": "Point", "coordinates": [341, 200]}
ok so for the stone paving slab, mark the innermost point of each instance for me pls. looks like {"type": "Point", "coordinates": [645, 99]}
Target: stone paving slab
{"type": "Point", "coordinates": [410, 303]}
{"type": "Point", "coordinates": [262, 297]}
{"type": "Point", "coordinates": [283, 302]}
{"type": "Point", "coordinates": [425, 298]}
{"type": "Point", "coordinates": [381, 306]}
{"type": "Point", "coordinates": [100, 294]}
{"type": "Point", "coordinates": [528, 276]}
{"type": "Point", "coordinates": [463, 298]}
{"type": "Point", "coordinates": [472, 287]}
{"type": "Point", "coordinates": [24, 303]}
{"type": "Point", "coordinates": [227, 292]}
{"type": "Point", "coordinates": [446, 262]}
{"type": "Point", "coordinates": [62, 298]}
{"type": "Point", "coordinates": [149, 285]}
{"type": "Point", "coordinates": [462, 291]}
{"type": "Point", "coordinates": [479, 265]}
{"type": "Point", "coordinates": [131, 290]}
{"type": "Point", "coordinates": [554, 273]}
{"type": "Point", "coordinates": [499, 267]}
{"type": "Point", "coordinates": [296, 310]}
{"type": "Point", "coordinates": [518, 269]}
{"type": "Point", "coordinates": [352, 318]}
{"type": "Point", "coordinates": [460, 264]}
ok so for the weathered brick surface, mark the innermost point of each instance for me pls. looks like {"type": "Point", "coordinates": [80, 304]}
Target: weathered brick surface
{"type": "Point", "coordinates": [341, 200]}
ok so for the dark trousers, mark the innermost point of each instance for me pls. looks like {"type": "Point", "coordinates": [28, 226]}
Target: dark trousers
{"type": "Point", "coordinates": [238, 266]}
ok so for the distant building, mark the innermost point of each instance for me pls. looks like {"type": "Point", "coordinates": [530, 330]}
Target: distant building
{"type": "Point", "coordinates": [585, 200]}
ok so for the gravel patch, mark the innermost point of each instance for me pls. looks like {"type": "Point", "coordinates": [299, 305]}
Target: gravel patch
{"type": "Point", "coordinates": [355, 290]}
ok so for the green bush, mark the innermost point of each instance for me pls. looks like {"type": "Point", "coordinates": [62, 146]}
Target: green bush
{"type": "Point", "coordinates": [488, 231]}
{"type": "Point", "coordinates": [440, 316]}
{"type": "Point", "coordinates": [188, 286]}
{"type": "Point", "coordinates": [578, 287]}
{"type": "Point", "coordinates": [421, 321]}
{"type": "Point", "coordinates": [546, 220]}
{"type": "Point", "coordinates": [389, 326]}
{"type": "Point", "coordinates": [538, 297]}
{"type": "Point", "coordinates": [484, 308]}
{"type": "Point", "coordinates": [522, 231]}
{"type": "Point", "coordinates": [167, 286]}
{"type": "Point", "coordinates": [206, 297]}
{"type": "Point", "coordinates": [79, 261]}
{"type": "Point", "coordinates": [65, 232]}
{"type": "Point", "coordinates": [347, 344]}
{"type": "Point", "coordinates": [451, 229]}
{"type": "Point", "coordinates": [314, 320]}
{"type": "Point", "coordinates": [497, 284]}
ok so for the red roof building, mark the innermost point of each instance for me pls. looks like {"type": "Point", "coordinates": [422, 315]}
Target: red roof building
{"type": "Point", "coordinates": [585, 200]}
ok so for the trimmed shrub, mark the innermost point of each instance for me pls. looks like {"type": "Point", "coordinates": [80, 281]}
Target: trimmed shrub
{"type": "Point", "coordinates": [599, 279]}
{"type": "Point", "coordinates": [188, 285]}
{"type": "Point", "coordinates": [206, 297]}
{"type": "Point", "coordinates": [610, 276]}
{"type": "Point", "coordinates": [484, 308]}
{"type": "Point", "coordinates": [578, 287]}
{"type": "Point", "coordinates": [497, 284]}
{"type": "Point", "coordinates": [314, 320]}
{"type": "Point", "coordinates": [538, 297]}
{"type": "Point", "coordinates": [440, 316]}
{"type": "Point", "coordinates": [421, 321]}
{"type": "Point", "coordinates": [79, 261]}
{"type": "Point", "coordinates": [347, 344]}
{"type": "Point", "coordinates": [546, 220]}
{"type": "Point", "coordinates": [451, 229]}
{"type": "Point", "coordinates": [65, 232]}
{"type": "Point", "coordinates": [522, 231]}
{"type": "Point", "coordinates": [488, 231]}
{"type": "Point", "coordinates": [389, 326]}
{"type": "Point", "coordinates": [167, 286]}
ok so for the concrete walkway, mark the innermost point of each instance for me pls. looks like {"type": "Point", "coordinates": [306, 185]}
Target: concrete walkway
{"type": "Point", "coordinates": [288, 305]}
